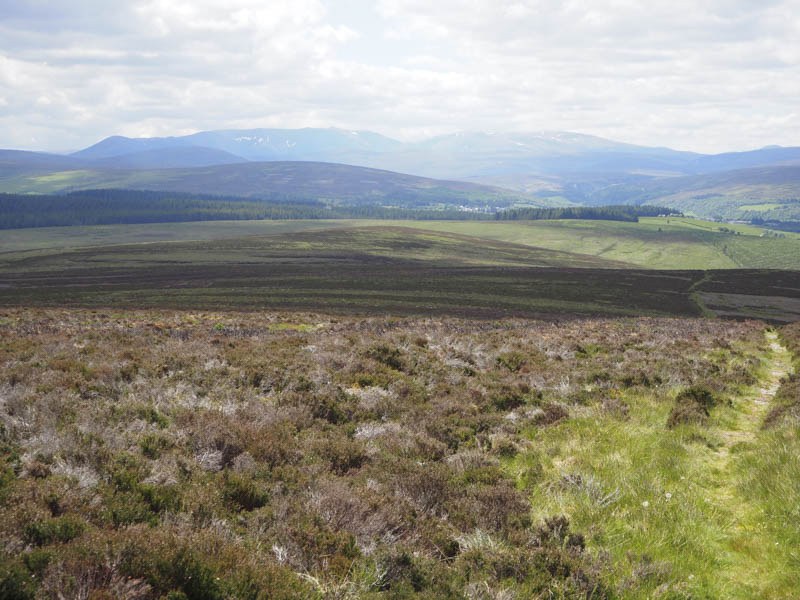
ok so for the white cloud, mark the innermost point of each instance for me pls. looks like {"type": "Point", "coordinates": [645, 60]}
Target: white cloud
{"type": "Point", "coordinates": [709, 76]}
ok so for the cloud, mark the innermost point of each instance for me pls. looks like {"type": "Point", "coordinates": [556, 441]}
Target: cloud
{"type": "Point", "coordinates": [708, 76]}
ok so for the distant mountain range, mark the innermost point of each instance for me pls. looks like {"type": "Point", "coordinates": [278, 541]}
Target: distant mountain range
{"type": "Point", "coordinates": [458, 155]}
{"type": "Point", "coordinates": [545, 168]}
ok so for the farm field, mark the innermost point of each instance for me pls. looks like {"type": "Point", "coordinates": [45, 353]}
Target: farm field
{"type": "Point", "coordinates": [383, 270]}
{"type": "Point", "coordinates": [196, 454]}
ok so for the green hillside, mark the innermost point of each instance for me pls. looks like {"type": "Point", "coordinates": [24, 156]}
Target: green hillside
{"type": "Point", "coordinates": [328, 182]}
{"type": "Point", "coordinates": [657, 243]}
{"type": "Point", "coordinates": [769, 193]}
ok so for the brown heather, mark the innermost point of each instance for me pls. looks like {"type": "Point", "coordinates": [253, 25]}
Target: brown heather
{"type": "Point", "coordinates": [219, 455]}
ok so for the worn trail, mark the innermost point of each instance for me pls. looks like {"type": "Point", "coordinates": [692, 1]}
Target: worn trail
{"type": "Point", "coordinates": [746, 543]}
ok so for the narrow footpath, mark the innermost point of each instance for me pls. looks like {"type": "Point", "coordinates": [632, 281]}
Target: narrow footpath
{"type": "Point", "coordinates": [747, 545]}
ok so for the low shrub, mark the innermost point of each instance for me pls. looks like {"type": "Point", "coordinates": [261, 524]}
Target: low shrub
{"type": "Point", "coordinates": [387, 355]}
{"type": "Point", "coordinates": [16, 582]}
{"type": "Point", "coordinates": [692, 405]}
{"type": "Point", "coordinates": [513, 361]}
{"type": "Point", "coordinates": [153, 444]}
{"type": "Point", "coordinates": [342, 454]}
{"type": "Point", "coordinates": [49, 531]}
{"type": "Point", "coordinates": [241, 493]}
{"type": "Point", "coordinates": [551, 413]}
{"type": "Point", "coordinates": [507, 399]}
{"type": "Point", "coordinates": [181, 573]}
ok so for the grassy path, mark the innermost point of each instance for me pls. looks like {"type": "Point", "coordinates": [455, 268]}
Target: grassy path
{"type": "Point", "coordinates": [750, 549]}
{"type": "Point", "coordinates": [699, 511]}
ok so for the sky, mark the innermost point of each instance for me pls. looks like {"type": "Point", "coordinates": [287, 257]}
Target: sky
{"type": "Point", "coordinates": [700, 75]}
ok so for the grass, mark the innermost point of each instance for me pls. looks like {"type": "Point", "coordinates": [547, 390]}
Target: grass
{"type": "Point", "coordinates": [697, 511]}
{"type": "Point", "coordinates": [762, 207]}
{"type": "Point", "coordinates": [656, 243]}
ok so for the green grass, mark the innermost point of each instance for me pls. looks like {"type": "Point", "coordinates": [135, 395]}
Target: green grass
{"type": "Point", "coordinates": [701, 512]}
{"type": "Point", "coordinates": [656, 243]}
{"type": "Point", "coordinates": [763, 206]}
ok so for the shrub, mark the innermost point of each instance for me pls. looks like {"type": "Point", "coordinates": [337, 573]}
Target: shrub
{"type": "Point", "coordinates": [384, 354]}
{"type": "Point", "coordinates": [513, 361]}
{"type": "Point", "coordinates": [401, 568]}
{"type": "Point", "coordinates": [551, 413]}
{"type": "Point", "coordinates": [699, 394]}
{"type": "Point", "coordinates": [59, 529]}
{"type": "Point", "coordinates": [180, 573]}
{"type": "Point", "coordinates": [507, 399]}
{"type": "Point", "coordinates": [692, 405]}
{"type": "Point", "coordinates": [501, 506]}
{"type": "Point", "coordinates": [428, 488]}
{"type": "Point", "coordinates": [160, 498]}
{"type": "Point", "coordinates": [153, 444]}
{"type": "Point", "coordinates": [15, 581]}
{"type": "Point", "coordinates": [343, 454]}
{"type": "Point", "coordinates": [152, 416]}
{"type": "Point", "coordinates": [241, 493]}
{"type": "Point", "coordinates": [333, 409]}
{"type": "Point", "coordinates": [36, 561]}
{"type": "Point", "coordinates": [273, 444]}
{"type": "Point", "coordinates": [640, 378]}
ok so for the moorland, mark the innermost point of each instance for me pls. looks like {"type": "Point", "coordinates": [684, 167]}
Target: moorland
{"type": "Point", "coordinates": [684, 267]}
{"type": "Point", "coordinates": [529, 370]}
{"type": "Point", "coordinates": [211, 455]}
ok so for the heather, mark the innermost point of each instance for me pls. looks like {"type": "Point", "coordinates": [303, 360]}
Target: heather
{"type": "Point", "coordinates": [286, 455]}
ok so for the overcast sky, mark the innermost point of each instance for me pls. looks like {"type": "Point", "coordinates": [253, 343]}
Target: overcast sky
{"type": "Point", "coordinates": [708, 76]}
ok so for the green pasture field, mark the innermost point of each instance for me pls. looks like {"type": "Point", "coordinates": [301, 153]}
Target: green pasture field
{"type": "Point", "coordinates": [763, 206]}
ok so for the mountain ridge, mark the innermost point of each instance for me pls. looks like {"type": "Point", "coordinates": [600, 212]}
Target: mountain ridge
{"type": "Point", "coordinates": [543, 167]}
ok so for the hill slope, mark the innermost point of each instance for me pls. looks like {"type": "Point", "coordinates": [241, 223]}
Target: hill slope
{"type": "Point", "coordinates": [324, 181]}
{"type": "Point", "coordinates": [770, 192]}
{"type": "Point", "coordinates": [652, 243]}
{"type": "Point", "coordinates": [168, 158]}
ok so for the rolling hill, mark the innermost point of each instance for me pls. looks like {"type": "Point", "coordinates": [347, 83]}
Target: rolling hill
{"type": "Point", "coordinates": [383, 270]}
{"type": "Point", "coordinates": [766, 192]}
{"type": "Point", "coordinates": [331, 183]}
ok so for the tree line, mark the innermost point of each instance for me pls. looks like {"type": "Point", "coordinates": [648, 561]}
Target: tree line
{"type": "Point", "coordinates": [592, 213]}
{"type": "Point", "coordinates": [111, 207]}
